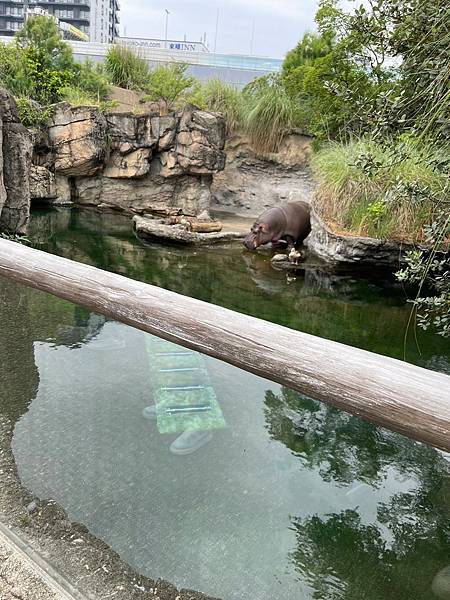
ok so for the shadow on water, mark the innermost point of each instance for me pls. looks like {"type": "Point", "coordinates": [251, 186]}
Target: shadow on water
{"type": "Point", "coordinates": [293, 499]}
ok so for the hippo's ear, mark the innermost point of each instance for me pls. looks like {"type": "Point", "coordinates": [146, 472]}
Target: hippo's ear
{"type": "Point", "coordinates": [264, 227]}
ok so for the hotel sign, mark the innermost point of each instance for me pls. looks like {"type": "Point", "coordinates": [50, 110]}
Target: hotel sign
{"type": "Point", "coordinates": [181, 46]}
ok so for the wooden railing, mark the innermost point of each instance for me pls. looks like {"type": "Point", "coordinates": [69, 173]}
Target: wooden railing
{"type": "Point", "coordinates": [385, 391]}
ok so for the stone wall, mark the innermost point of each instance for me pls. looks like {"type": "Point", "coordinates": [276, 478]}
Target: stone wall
{"type": "Point", "coordinates": [15, 164]}
{"type": "Point", "coordinates": [134, 163]}
{"type": "Point", "coordinates": [251, 183]}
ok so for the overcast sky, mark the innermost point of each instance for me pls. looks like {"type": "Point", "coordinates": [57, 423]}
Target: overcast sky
{"type": "Point", "coordinates": [278, 24]}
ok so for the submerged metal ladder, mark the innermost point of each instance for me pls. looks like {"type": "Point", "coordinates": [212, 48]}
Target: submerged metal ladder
{"type": "Point", "coordinates": [184, 396]}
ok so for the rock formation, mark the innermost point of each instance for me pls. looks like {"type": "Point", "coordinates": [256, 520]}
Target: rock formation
{"type": "Point", "coordinates": [251, 182]}
{"type": "Point", "coordinates": [133, 163]}
{"type": "Point", "coordinates": [15, 164]}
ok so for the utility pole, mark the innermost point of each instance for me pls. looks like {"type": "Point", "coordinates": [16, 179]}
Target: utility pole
{"type": "Point", "coordinates": [217, 30]}
{"type": "Point", "coordinates": [252, 38]}
{"type": "Point", "coordinates": [25, 10]}
{"type": "Point", "coordinates": [167, 25]}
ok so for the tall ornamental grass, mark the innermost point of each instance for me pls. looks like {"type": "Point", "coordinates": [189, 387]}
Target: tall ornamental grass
{"type": "Point", "coordinates": [268, 115]}
{"type": "Point", "coordinates": [219, 97]}
{"type": "Point", "coordinates": [390, 190]}
{"type": "Point", "coordinates": [126, 69]}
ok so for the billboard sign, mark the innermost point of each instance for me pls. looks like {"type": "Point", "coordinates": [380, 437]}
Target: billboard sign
{"type": "Point", "coordinates": [177, 45]}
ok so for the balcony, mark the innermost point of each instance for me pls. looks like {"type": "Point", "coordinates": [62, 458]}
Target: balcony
{"type": "Point", "coordinates": [63, 3]}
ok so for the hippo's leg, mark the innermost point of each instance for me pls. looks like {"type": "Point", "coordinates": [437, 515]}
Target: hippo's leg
{"type": "Point", "coordinates": [290, 242]}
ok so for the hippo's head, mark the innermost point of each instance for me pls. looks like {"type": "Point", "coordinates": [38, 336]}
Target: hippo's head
{"type": "Point", "coordinates": [259, 235]}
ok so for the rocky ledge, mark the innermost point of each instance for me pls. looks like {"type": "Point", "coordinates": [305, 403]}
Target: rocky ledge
{"type": "Point", "coordinates": [158, 231]}
{"type": "Point", "coordinates": [348, 249]}
{"type": "Point", "coordinates": [134, 163]}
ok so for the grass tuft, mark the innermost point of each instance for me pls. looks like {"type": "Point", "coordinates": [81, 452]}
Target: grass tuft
{"type": "Point", "coordinates": [387, 191]}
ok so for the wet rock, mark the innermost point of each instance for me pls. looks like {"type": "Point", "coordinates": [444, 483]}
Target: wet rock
{"type": "Point", "coordinates": [154, 230]}
{"type": "Point", "coordinates": [348, 249]}
{"type": "Point", "coordinates": [77, 135]}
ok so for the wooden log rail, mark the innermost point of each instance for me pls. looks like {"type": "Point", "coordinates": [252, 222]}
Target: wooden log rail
{"type": "Point", "coordinates": [402, 397]}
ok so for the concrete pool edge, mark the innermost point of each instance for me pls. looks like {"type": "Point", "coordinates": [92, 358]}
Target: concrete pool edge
{"type": "Point", "coordinates": [91, 569]}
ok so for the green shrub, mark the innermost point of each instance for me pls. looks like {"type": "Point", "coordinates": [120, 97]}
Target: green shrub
{"type": "Point", "coordinates": [91, 78]}
{"type": "Point", "coordinates": [33, 114]}
{"type": "Point", "coordinates": [168, 83]}
{"type": "Point", "coordinates": [383, 190]}
{"type": "Point", "coordinates": [39, 64]}
{"type": "Point", "coordinates": [41, 34]}
{"type": "Point", "coordinates": [219, 97]}
{"type": "Point", "coordinates": [126, 69]}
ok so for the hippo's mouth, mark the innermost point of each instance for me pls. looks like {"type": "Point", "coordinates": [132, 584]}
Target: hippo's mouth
{"type": "Point", "coordinates": [250, 243]}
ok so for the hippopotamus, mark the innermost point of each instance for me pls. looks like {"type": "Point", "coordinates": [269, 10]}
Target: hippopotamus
{"type": "Point", "coordinates": [289, 222]}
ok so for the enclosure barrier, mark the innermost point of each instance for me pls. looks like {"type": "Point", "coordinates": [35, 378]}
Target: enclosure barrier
{"type": "Point", "coordinates": [402, 397]}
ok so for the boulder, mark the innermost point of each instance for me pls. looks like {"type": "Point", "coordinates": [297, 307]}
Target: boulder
{"type": "Point", "coordinates": [355, 250]}
{"type": "Point", "coordinates": [9, 113]}
{"type": "Point", "coordinates": [17, 151]}
{"type": "Point", "coordinates": [200, 142]}
{"type": "Point", "coordinates": [42, 183]}
{"type": "Point", "coordinates": [77, 135]}
{"type": "Point", "coordinates": [133, 164]}
{"type": "Point", "coordinates": [2, 181]}
{"type": "Point", "coordinates": [15, 165]}
{"type": "Point", "coordinates": [127, 131]}
{"type": "Point", "coordinates": [149, 194]}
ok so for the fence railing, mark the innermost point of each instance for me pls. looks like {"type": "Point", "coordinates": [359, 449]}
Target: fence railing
{"type": "Point", "coordinates": [391, 393]}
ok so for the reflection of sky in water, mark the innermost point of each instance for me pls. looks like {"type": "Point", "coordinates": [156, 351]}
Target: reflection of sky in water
{"type": "Point", "coordinates": [219, 520]}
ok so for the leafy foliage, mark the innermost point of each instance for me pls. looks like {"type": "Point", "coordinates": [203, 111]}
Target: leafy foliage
{"type": "Point", "coordinates": [31, 113]}
{"type": "Point", "coordinates": [91, 78]}
{"type": "Point", "coordinates": [168, 83]}
{"type": "Point", "coordinates": [432, 269]}
{"type": "Point", "coordinates": [41, 34]}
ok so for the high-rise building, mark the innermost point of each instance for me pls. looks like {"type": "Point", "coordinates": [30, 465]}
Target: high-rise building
{"type": "Point", "coordinates": [99, 19]}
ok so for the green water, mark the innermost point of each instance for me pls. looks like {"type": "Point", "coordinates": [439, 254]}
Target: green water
{"type": "Point", "coordinates": [291, 500]}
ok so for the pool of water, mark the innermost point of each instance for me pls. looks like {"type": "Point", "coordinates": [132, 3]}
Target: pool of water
{"type": "Point", "coordinates": [288, 498]}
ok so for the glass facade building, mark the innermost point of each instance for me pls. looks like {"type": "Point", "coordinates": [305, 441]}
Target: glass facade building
{"type": "Point", "coordinates": [99, 19]}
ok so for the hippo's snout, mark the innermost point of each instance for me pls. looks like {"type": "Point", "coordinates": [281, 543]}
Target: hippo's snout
{"type": "Point", "coordinates": [250, 242]}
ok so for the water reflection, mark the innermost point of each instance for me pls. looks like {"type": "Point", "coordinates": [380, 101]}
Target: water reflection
{"type": "Point", "coordinates": [401, 551]}
{"type": "Point", "coordinates": [362, 312]}
{"type": "Point", "coordinates": [292, 499]}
